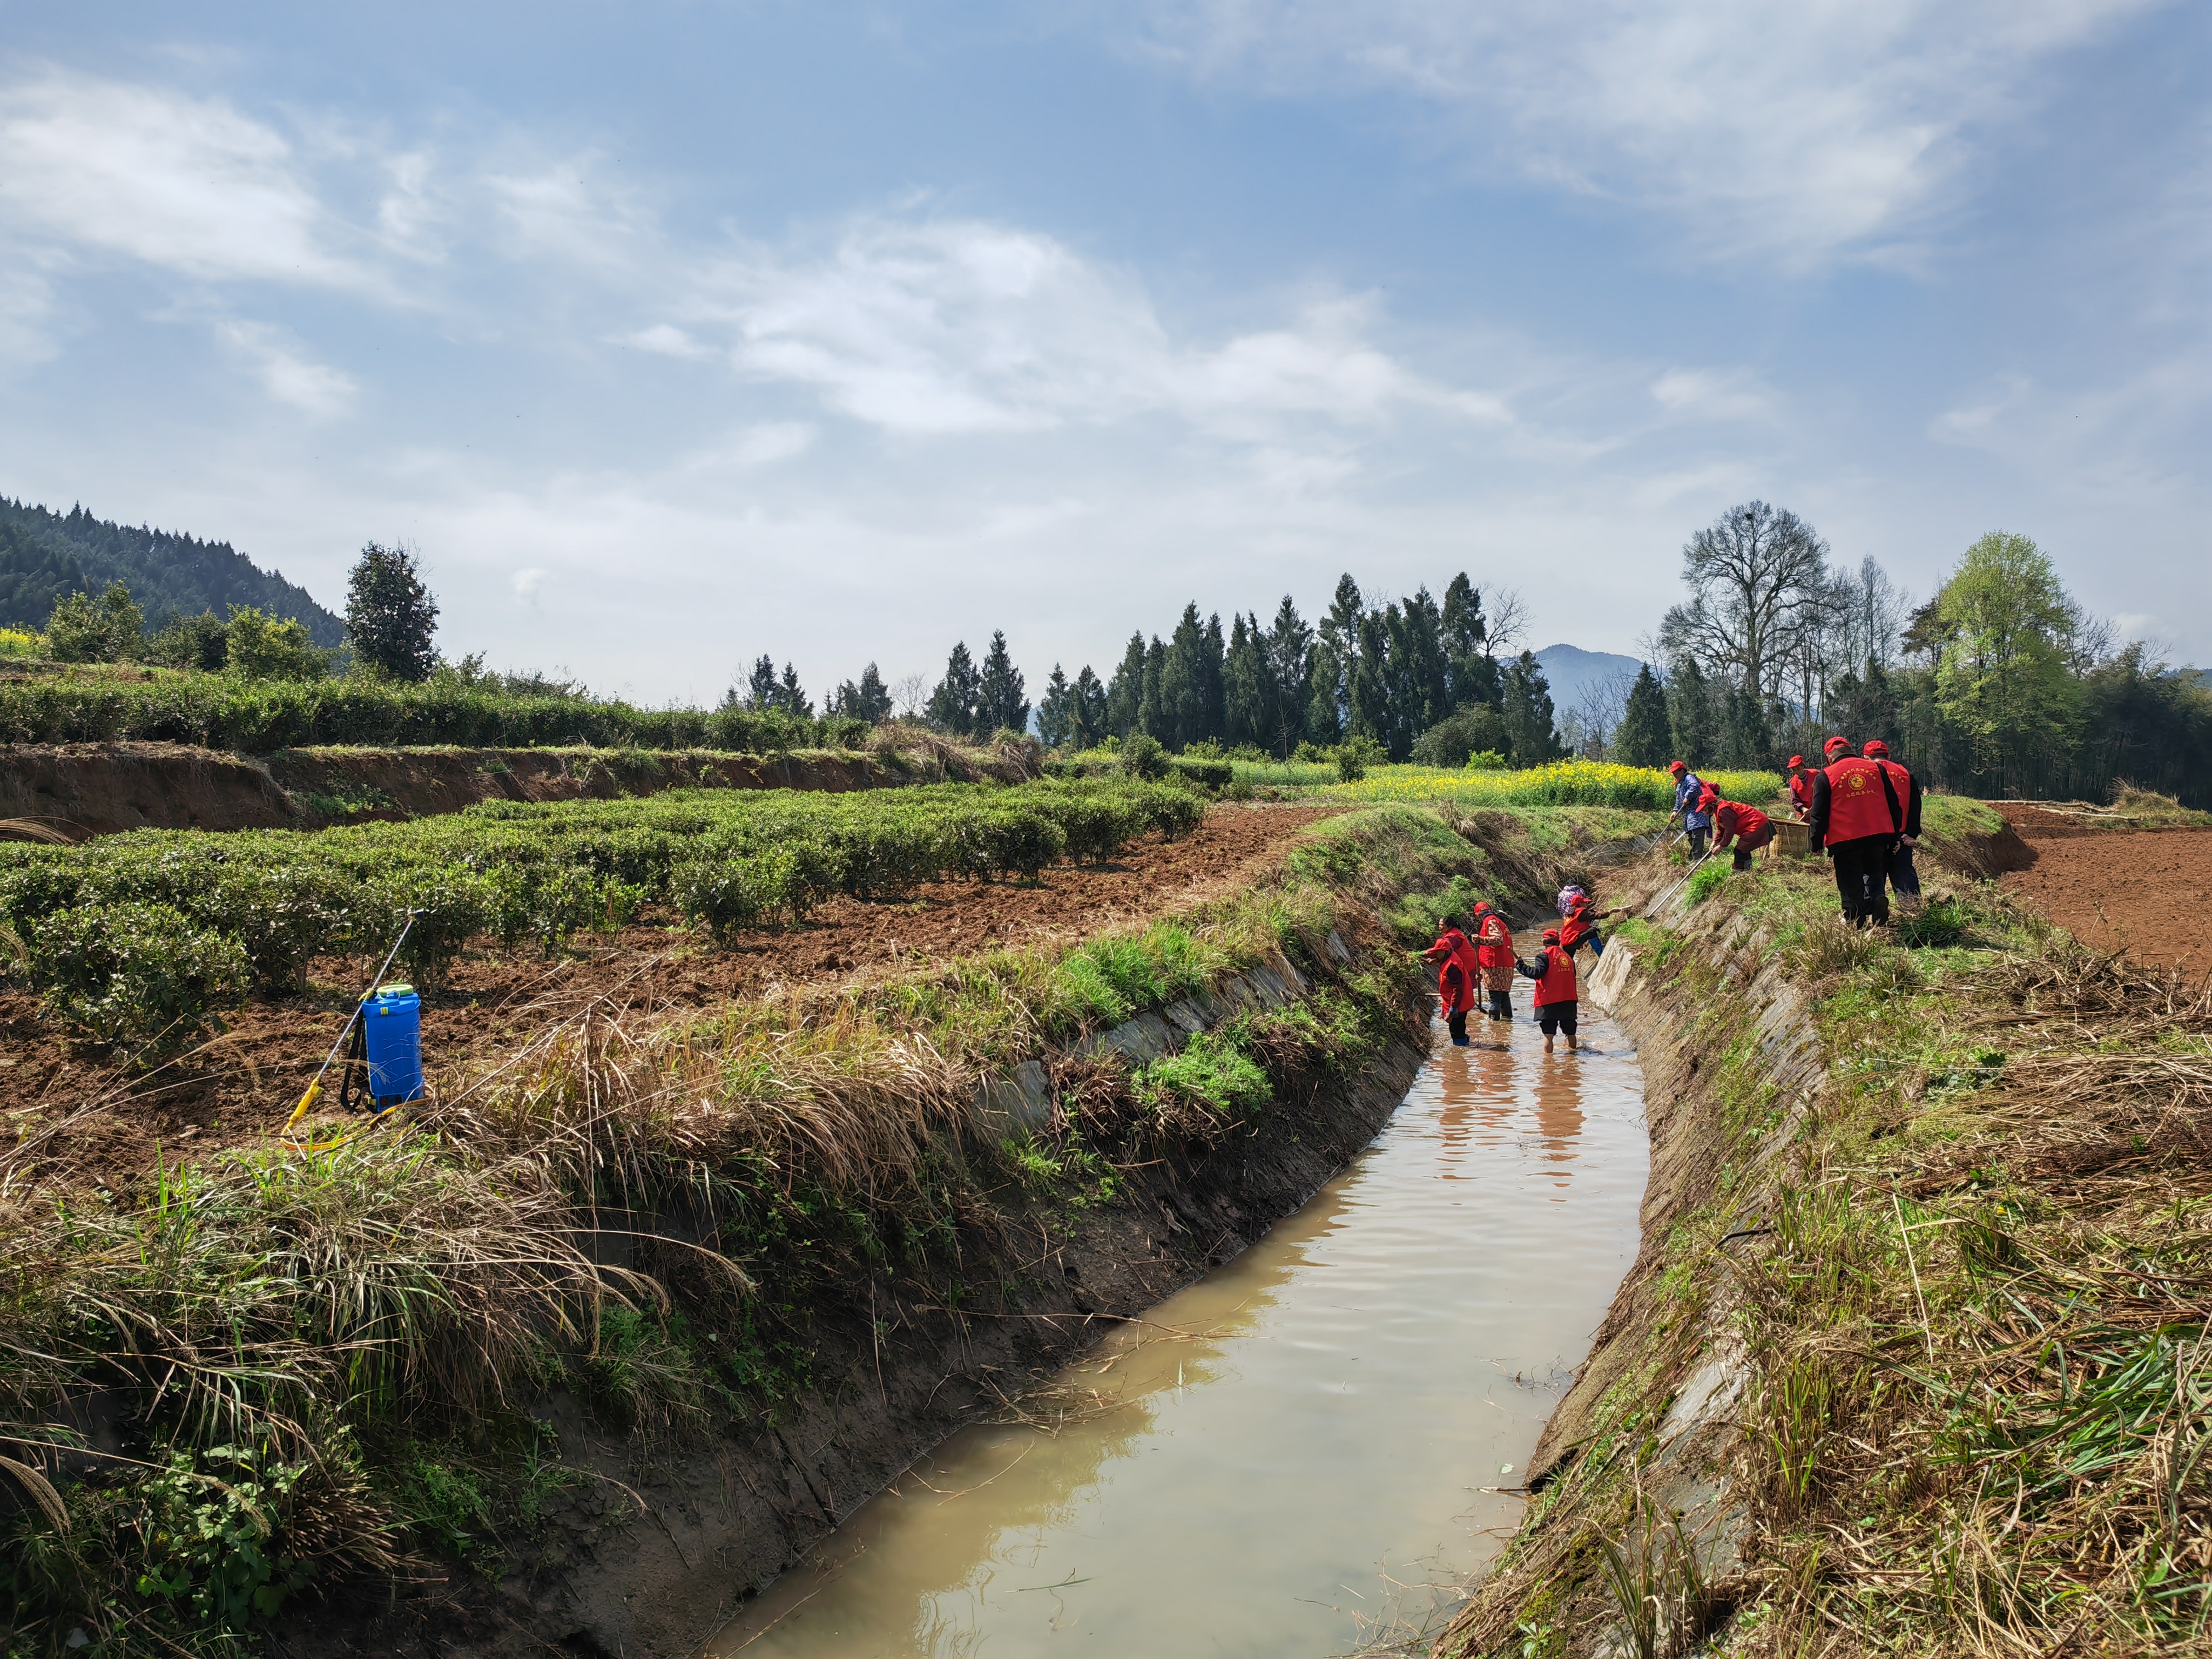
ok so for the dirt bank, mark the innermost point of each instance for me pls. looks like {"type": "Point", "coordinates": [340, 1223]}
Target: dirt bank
{"type": "Point", "coordinates": [2146, 891]}
{"type": "Point", "coordinates": [100, 789]}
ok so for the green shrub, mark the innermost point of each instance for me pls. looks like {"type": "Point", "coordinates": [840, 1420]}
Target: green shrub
{"type": "Point", "coordinates": [1354, 755]}
{"type": "Point", "coordinates": [134, 972]}
{"type": "Point", "coordinates": [1142, 757]}
{"type": "Point", "coordinates": [258, 646]}
{"type": "Point", "coordinates": [1454, 741]}
{"type": "Point", "coordinates": [1707, 880]}
{"type": "Point", "coordinates": [1213, 773]}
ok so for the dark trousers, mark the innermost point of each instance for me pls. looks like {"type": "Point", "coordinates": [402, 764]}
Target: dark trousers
{"type": "Point", "coordinates": [1902, 876]}
{"type": "Point", "coordinates": [1556, 1017]}
{"type": "Point", "coordinates": [1861, 867]}
{"type": "Point", "coordinates": [1455, 1023]}
{"type": "Point", "coordinates": [1747, 845]}
{"type": "Point", "coordinates": [1697, 840]}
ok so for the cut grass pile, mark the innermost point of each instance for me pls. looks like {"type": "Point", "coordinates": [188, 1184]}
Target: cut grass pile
{"type": "Point", "coordinates": [317, 1364]}
{"type": "Point", "coordinates": [150, 911]}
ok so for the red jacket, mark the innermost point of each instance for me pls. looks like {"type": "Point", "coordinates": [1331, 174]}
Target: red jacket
{"type": "Point", "coordinates": [1801, 791]}
{"type": "Point", "coordinates": [1732, 818]}
{"type": "Point", "coordinates": [1457, 974]}
{"type": "Point", "coordinates": [1577, 926]}
{"type": "Point", "coordinates": [1555, 981]}
{"type": "Point", "coordinates": [1860, 801]}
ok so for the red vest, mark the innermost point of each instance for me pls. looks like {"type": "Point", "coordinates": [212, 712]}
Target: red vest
{"type": "Point", "coordinates": [1801, 791]}
{"type": "Point", "coordinates": [1749, 820]}
{"type": "Point", "coordinates": [1557, 984]}
{"type": "Point", "coordinates": [1461, 956]}
{"type": "Point", "coordinates": [1859, 806]}
{"type": "Point", "coordinates": [1577, 927]}
{"type": "Point", "coordinates": [1899, 780]}
{"type": "Point", "coordinates": [1495, 948]}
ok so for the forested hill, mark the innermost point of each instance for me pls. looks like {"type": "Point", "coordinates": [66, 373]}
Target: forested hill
{"type": "Point", "coordinates": [45, 555]}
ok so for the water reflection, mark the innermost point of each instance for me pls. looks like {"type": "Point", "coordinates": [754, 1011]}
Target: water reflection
{"type": "Point", "coordinates": [1287, 1438]}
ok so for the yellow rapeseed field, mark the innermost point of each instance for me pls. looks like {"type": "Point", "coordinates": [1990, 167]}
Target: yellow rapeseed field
{"type": "Point", "coordinates": [1563, 783]}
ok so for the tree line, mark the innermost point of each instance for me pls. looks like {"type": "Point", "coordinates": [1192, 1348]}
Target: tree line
{"type": "Point", "coordinates": [1999, 683]}
{"type": "Point", "coordinates": [1416, 677]}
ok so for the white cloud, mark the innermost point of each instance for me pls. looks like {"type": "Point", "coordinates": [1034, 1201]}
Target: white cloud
{"type": "Point", "coordinates": [183, 183]}
{"type": "Point", "coordinates": [1802, 132]}
{"type": "Point", "coordinates": [938, 328]}
{"type": "Point", "coordinates": [527, 583]}
{"type": "Point", "coordinates": [1711, 394]}
{"type": "Point", "coordinates": [286, 374]}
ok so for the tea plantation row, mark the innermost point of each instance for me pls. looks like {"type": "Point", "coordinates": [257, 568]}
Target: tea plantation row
{"type": "Point", "coordinates": [135, 935]}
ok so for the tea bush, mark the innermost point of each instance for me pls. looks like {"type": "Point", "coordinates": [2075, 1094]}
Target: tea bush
{"type": "Point", "coordinates": [133, 935]}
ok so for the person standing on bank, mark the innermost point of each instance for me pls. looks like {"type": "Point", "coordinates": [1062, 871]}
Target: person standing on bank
{"type": "Point", "coordinates": [1553, 971]}
{"type": "Point", "coordinates": [1903, 879]}
{"type": "Point", "coordinates": [1689, 792]}
{"type": "Point", "coordinates": [1457, 975]}
{"type": "Point", "coordinates": [1857, 817]}
{"type": "Point", "coordinates": [1800, 787]}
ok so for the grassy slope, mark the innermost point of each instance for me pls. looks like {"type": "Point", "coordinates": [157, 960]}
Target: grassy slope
{"type": "Point", "coordinates": [330, 1360]}
{"type": "Point", "coordinates": [1976, 1410]}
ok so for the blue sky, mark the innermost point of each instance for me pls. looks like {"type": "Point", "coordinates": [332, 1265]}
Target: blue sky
{"type": "Point", "coordinates": [671, 335]}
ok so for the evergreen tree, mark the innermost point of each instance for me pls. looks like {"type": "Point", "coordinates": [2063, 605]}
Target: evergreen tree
{"type": "Point", "coordinates": [1690, 720]}
{"type": "Point", "coordinates": [790, 698]}
{"type": "Point", "coordinates": [1152, 717]}
{"type": "Point", "coordinates": [870, 700]}
{"type": "Point", "coordinates": [1746, 740]}
{"type": "Point", "coordinates": [953, 705]}
{"type": "Point", "coordinates": [1087, 718]}
{"type": "Point", "coordinates": [1643, 737]}
{"type": "Point", "coordinates": [390, 614]}
{"type": "Point", "coordinates": [1182, 677]}
{"type": "Point", "coordinates": [1369, 693]}
{"type": "Point", "coordinates": [1471, 670]}
{"type": "Point", "coordinates": [1244, 699]}
{"type": "Point", "coordinates": [1125, 694]}
{"type": "Point", "coordinates": [1528, 715]}
{"type": "Point", "coordinates": [1334, 660]}
{"type": "Point", "coordinates": [760, 690]}
{"type": "Point", "coordinates": [1055, 710]}
{"type": "Point", "coordinates": [999, 703]}
{"type": "Point", "coordinates": [1289, 678]}
{"type": "Point", "coordinates": [1212, 686]}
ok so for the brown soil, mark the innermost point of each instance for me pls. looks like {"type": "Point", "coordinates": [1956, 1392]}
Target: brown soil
{"type": "Point", "coordinates": [241, 1088]}
{"type": "Point", "coordinates": [2146, 891]}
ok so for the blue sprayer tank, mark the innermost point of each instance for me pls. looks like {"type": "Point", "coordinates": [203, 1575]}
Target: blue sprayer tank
{"type": "Point", "coordinates": [392, 1020]}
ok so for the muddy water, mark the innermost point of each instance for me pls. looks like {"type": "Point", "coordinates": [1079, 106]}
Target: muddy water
{"type": "Point", "coordinates": [1295, 1454]}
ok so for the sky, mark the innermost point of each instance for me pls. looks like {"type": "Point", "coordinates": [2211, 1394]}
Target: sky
{"type": "Point", "coordinates": [672, 334]}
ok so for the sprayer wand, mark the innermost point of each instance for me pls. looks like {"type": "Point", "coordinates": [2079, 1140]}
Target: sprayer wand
{"type": "Point", "coordinates": [315, 1089]}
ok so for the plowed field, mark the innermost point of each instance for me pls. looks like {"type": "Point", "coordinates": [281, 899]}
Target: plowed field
{"type": "Point", "coordinates": [241, 1088]}
{"type": "Point", "coordinates": [2148, 891]}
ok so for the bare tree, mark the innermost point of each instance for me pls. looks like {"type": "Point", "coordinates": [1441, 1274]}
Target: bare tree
{"type": "Point", "coordinates": [910, 695]}
{"type": "Point", "coordinates": [1749, 575]}
{"type": "Point", "coordinates": [1506, 624]}
{"type": "Point", "coordinates": [1590, 724]}
{"type": "Point", "coordinates": [1872, 611]}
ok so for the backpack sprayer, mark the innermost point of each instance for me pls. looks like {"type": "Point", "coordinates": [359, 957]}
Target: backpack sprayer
{"type": "Point", "coordinates": [392, 1053]}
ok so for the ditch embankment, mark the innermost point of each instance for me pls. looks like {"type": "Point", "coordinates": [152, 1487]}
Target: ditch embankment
{"type": "Point", "coordinates": [628, 1320]}
{"type": "Point", "coordinates": [1912, 1357]}
{"type": "Point", "coordinates": [82, 790]}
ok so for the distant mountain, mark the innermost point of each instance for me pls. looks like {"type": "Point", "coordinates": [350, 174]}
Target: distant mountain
{"type": "Point", "coordinates": [1569, 668]}
{"type": "Point", "coordinates": [45, 555]}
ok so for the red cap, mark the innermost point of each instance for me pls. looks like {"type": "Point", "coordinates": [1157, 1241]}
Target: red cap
{"type": "Point", "coordinates": [1551, 936]}
{"type": "Point", "coordinates": [1834, 744]}
{"type": "Point", "coordinates": [1676, 766]}
{"type": "Point", "coordinates": [1797, 760]}
{"type": "Point", "coordinates": [1876, 747]}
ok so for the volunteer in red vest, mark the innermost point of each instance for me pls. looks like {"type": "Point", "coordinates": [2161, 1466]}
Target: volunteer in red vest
{"type": "Point", "coordinates": [1858, 819]}
{"type": "Point", "coordinates": [1903, 879]}
{"type": "Point", "coordinates": [1800, 787]}
{"type": "Point", "coordinates": [1747, 826]}
{"type": "Point", "coordinates": [1578, 921]}
{"type": "Point", "coordinates": [1493, 949]}
{"type": "Point", "coordinates": [1457, 975]}
{"type": "Point", "coordinates": [1553, 971]}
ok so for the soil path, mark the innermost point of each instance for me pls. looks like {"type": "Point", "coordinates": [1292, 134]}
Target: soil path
{"type": "Point", "coordinates": [241, 1089]}
{"type": "Point", "coordinates": [2148, 891]}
